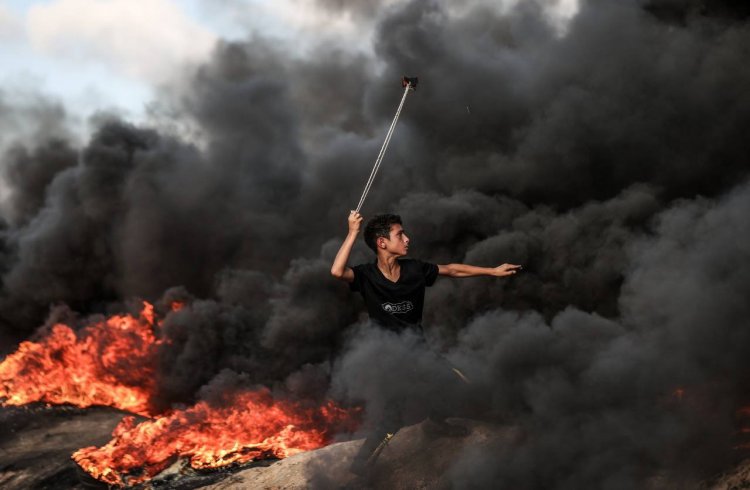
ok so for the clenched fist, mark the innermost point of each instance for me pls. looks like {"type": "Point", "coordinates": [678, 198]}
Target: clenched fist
{"type": "Point", "coordinates": [355, 222]}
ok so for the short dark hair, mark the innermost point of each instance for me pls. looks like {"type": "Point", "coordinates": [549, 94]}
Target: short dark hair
{"type": "Point", "coordinates": [380, 226]}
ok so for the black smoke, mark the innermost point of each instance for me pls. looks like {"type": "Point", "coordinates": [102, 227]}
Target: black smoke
{"type": "Point", "coordinates": [608, 156]}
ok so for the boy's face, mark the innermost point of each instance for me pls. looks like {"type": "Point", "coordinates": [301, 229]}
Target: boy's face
{"type": "Point", "coordinates": [398, 243]}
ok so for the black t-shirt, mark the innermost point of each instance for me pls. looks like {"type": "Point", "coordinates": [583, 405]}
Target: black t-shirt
{"type": "Point", "coordinates": [395, 304]}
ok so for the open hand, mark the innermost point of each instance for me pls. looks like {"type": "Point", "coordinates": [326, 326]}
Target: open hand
{"type": "Point", "coordinates": [355, 222]}
{"type": "Point", "coordinates": [506, 270]}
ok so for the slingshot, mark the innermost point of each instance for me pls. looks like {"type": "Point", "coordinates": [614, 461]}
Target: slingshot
{"type": "Point", "coordinates": [409, 83]}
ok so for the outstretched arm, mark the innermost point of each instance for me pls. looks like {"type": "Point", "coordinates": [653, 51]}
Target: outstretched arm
{"type": "Point", "coordinates": [464, 270]}
{"type": "Point", "coordinates": [339, 269]}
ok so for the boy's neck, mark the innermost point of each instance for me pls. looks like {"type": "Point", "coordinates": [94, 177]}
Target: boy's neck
{"type": "Point", "coordinates": [388, 262]}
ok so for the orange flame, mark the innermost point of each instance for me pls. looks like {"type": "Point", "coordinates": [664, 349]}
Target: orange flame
{"type": "Point", "coordinates": [109, 362]}
{"type": "Point", "coordinates": [112, 362]}
{"type": "Point", "coordinates": [251, 426]}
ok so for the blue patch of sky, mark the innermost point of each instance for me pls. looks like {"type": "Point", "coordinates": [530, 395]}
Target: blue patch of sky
{"type": "Point", "coordinates": [82, 87]}
{"type": "Point", "coordinates": [86, 86]}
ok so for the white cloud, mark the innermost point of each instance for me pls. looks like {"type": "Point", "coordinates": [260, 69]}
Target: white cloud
{"type": "Point", "coordinates": [10, 26]}
{"type": "Point", "coordinates": [302, 24]}
{"type": "Point", "coordinates": [299, 25]}
{"type": "Point", "coordinates": [561, 12]}
{"type": "Point", "coordinates": [148, 40]}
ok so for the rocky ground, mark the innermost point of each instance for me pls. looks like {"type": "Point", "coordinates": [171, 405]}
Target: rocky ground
{"type": "Point", "coordinates": [36, 443]}
{"type": "Point", "coordinates": [411, 460]}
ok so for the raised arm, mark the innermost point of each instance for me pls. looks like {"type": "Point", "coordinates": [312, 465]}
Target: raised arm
{"type": "Point", "coordinates": [464, 270]}
{"type": "Point", "coordinates": [339, 269]}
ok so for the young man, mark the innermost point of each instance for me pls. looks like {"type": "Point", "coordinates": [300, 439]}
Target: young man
{"type": "Point", "coordinates": [393, 288]}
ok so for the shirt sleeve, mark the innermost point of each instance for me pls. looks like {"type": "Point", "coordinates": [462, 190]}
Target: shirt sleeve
{"type": "Point", "coordinates": [430, 273]}
{"type": "Point", "coordinates": [355, 285]}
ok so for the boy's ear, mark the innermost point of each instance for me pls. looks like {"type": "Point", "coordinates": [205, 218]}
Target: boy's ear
{"type": "Point", "coordinates": [381, 242]}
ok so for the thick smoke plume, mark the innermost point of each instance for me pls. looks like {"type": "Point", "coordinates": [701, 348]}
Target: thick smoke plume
{"type": "Point", "coordinates": [609, 157]}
